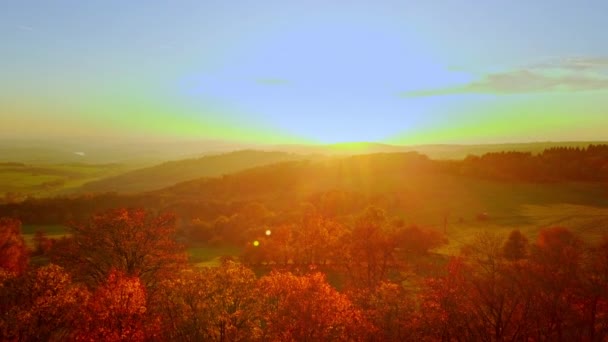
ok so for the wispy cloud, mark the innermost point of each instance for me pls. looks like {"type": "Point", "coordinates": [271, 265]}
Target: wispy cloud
{"type": "Point", "coordinates": [575, 63]}
{"type": "Point", "coordinates": [25, 28]}
{"type": "Point", "coordinates": [566, 75]}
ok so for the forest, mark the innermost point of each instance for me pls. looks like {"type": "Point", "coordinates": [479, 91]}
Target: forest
{"type": "Point", "coordinates": [380, 247]}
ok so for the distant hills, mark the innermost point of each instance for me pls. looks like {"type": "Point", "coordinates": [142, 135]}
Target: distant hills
{"type": "Point", "coordinates": [173, 172]}
{"type": "Point", "coordinates": [433, 151]}
{"type": "Point", "coordinates": [169, 173]}
{"type": "Point", "coordinates": [142, 153]}
{"type": "Point", "coordinates": [409, 185]}
{"type": "Point", "coordinates": [152, 166]}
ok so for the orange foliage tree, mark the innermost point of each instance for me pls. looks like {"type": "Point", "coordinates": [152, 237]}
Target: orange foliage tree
{"type": "Point", "coordinates": [555, 269]}
{"type": "Point", "coordinates": [116, 311]}
{"type": "Point", "coordinates": [389, 308]}
{"type": "Point", "coordinates": [131, 241]}
{"type": "Point", "coordinates": [43, 305]}
{"type": "Point", "coordinates": [14, 255]}
{"type": "Point", "coordinates": [446, 311]}
{"type": "Point", "coordinates": [372, 249]}
{"type": "Point", "coordinates": [211, 304]}
{"type": "Point", "coordinates": [307, 308]}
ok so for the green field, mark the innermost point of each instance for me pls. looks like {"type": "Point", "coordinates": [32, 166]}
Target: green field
{"type": "Point", "coordinates": [18, 181]}
{"type": "Point", "coordinates": [52, 231]}
{"type": "Point", "coordinates": [210, 256]}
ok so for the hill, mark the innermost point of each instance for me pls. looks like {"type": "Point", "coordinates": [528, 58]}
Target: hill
{"type": "Point", "coordinates": [407, 182]}
{"type": "Point", "coordinates": [409, 186]}
{"type": "Point", "coordinates": [172, 172]}
{"type": "Point", "coordinates": [433, 151]}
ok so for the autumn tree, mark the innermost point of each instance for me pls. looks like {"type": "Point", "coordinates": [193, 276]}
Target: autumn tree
{"type": "Point", "coordinates": [132, 241]}
{"type": "Point", "coordinates": [372, 247]}
{"type": "Point", "coordinates": [43, 305]}
{"type": "Point", "coordinates": [316, 239]}
{"type": "Point", "coordinates": [277, 248]}
{"type": "Point", "coordinates": [116, 311]}
{"type": "Point", "coordinates": [516, 246]}
{"type": "Point", "coordinates": [593, 293]}
{"type": "Point", "coordinates": [497, 303]}
{"type": "Point", "coordinates": [556, 260]}
{"type": "Point", "coordinates": [211, 304]}
{"type": "Point", "coordinates": [418, 241]}
{"type": "Point", "coordinates": [42, 243]}
{"type": "Point", "coordinates": [389, 308]}
{"type": "Point", "coordinates": [446, 312]}
{"type": "Point", "coordinates": [307, 308]}
{"type": "Point", "coordinates": [14, 255]}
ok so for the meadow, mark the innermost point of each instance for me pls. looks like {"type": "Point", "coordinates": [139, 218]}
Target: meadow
{"type": "Point", "coordinates": [18, 180]}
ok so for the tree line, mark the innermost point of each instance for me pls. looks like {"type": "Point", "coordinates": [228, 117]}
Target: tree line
{"type": "Point", "coordinates": [551, 165]}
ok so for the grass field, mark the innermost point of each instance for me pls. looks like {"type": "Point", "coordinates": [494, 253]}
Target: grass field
{"type": "Point", "coordinates": [20, 180]}
{"type": "Point", "coordinates": [52, 231]}
{"type": "Point", "coordinates": [210, 256]}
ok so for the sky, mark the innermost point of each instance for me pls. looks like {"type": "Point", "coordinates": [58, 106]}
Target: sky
{"type": "Point", "coordinates": [291, 72]}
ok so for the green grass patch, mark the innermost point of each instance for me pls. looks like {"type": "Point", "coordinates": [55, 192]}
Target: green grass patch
{"type": "Point", "coordinates": [47, 180]}
{"type": "Point", "coordinates": [209, 256]}
{"type": "Point", "coordinates": [55, 229]}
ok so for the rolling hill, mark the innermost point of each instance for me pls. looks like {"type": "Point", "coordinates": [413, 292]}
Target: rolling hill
{"type": "Point", "coordinates": [172, 172]}
{"type": "Point", "coordinates": [409, 186]}
{"type": "Point", "coordinates": [433, 151]}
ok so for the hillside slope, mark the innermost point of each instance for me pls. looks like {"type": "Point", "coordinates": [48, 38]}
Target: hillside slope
{"type": "Point", "coordinates": [169, 173]}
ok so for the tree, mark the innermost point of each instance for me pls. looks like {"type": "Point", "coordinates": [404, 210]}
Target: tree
{"type": "Point", "coordinates": [556, 268]}
{"type": "Point", "coordinates": [42, 305]}
{"type": "Point", "coordinates": [417, 241]}
{"type": "Point", "coordinates": [211, 304]}
{"type": "Point", "coordinates": [496, 302]}
{"type": "Point", "coordinates": [389, 308]}
{"type": "Point", "coordinates": [315, 241]}
{"type": "Point", "coordinates": [593, 293]}
{"type": "Point", "coordinates": [372, 249]}
{"type": "Point", "coordinates": [446, 312]}
{"type": "Point", "coordinates": [131, 241]}
{"type": "Point", "coordinates": [42, 243]}
{"type": "Point", "coordinates": [516, 246]}
{"type": "Point", "coordinates": [116, 311]}
{"type": "Point", "coordinates": [306, 308]}
{"type": "Point", "coordinates": [14, 255]}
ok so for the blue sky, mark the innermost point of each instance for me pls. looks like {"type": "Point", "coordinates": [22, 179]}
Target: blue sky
{"type": "Point", "coordinates": [308, 71]}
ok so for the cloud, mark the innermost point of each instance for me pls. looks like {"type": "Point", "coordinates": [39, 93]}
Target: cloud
{"type": "Point", "coordinates": [25, 28]}
{"type": "Point", "coordinates": [575, 63]}
{"type": "Point", "coordinates": [566, 75]}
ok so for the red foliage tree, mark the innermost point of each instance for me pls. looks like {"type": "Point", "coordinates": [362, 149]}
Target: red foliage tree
{"type": "Point", "coordinates": [211, 304]}
{"type": "Point", "coordinates": [131, 241]}
{"type": "Point", "coordinates": [446, 312]}
{"type": "Point", "coordinates": [372, 249]}
{"type": "Point", "coordinates": [389, 308]}
{"type": "Point", "coordinates": [116, 311]}
{"type": "Point", "coordinates": [43, 305]}
{"type": "Point", "coordinates": [14, 255]}
{"type": "Point", "coordinates": [306, 308]}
